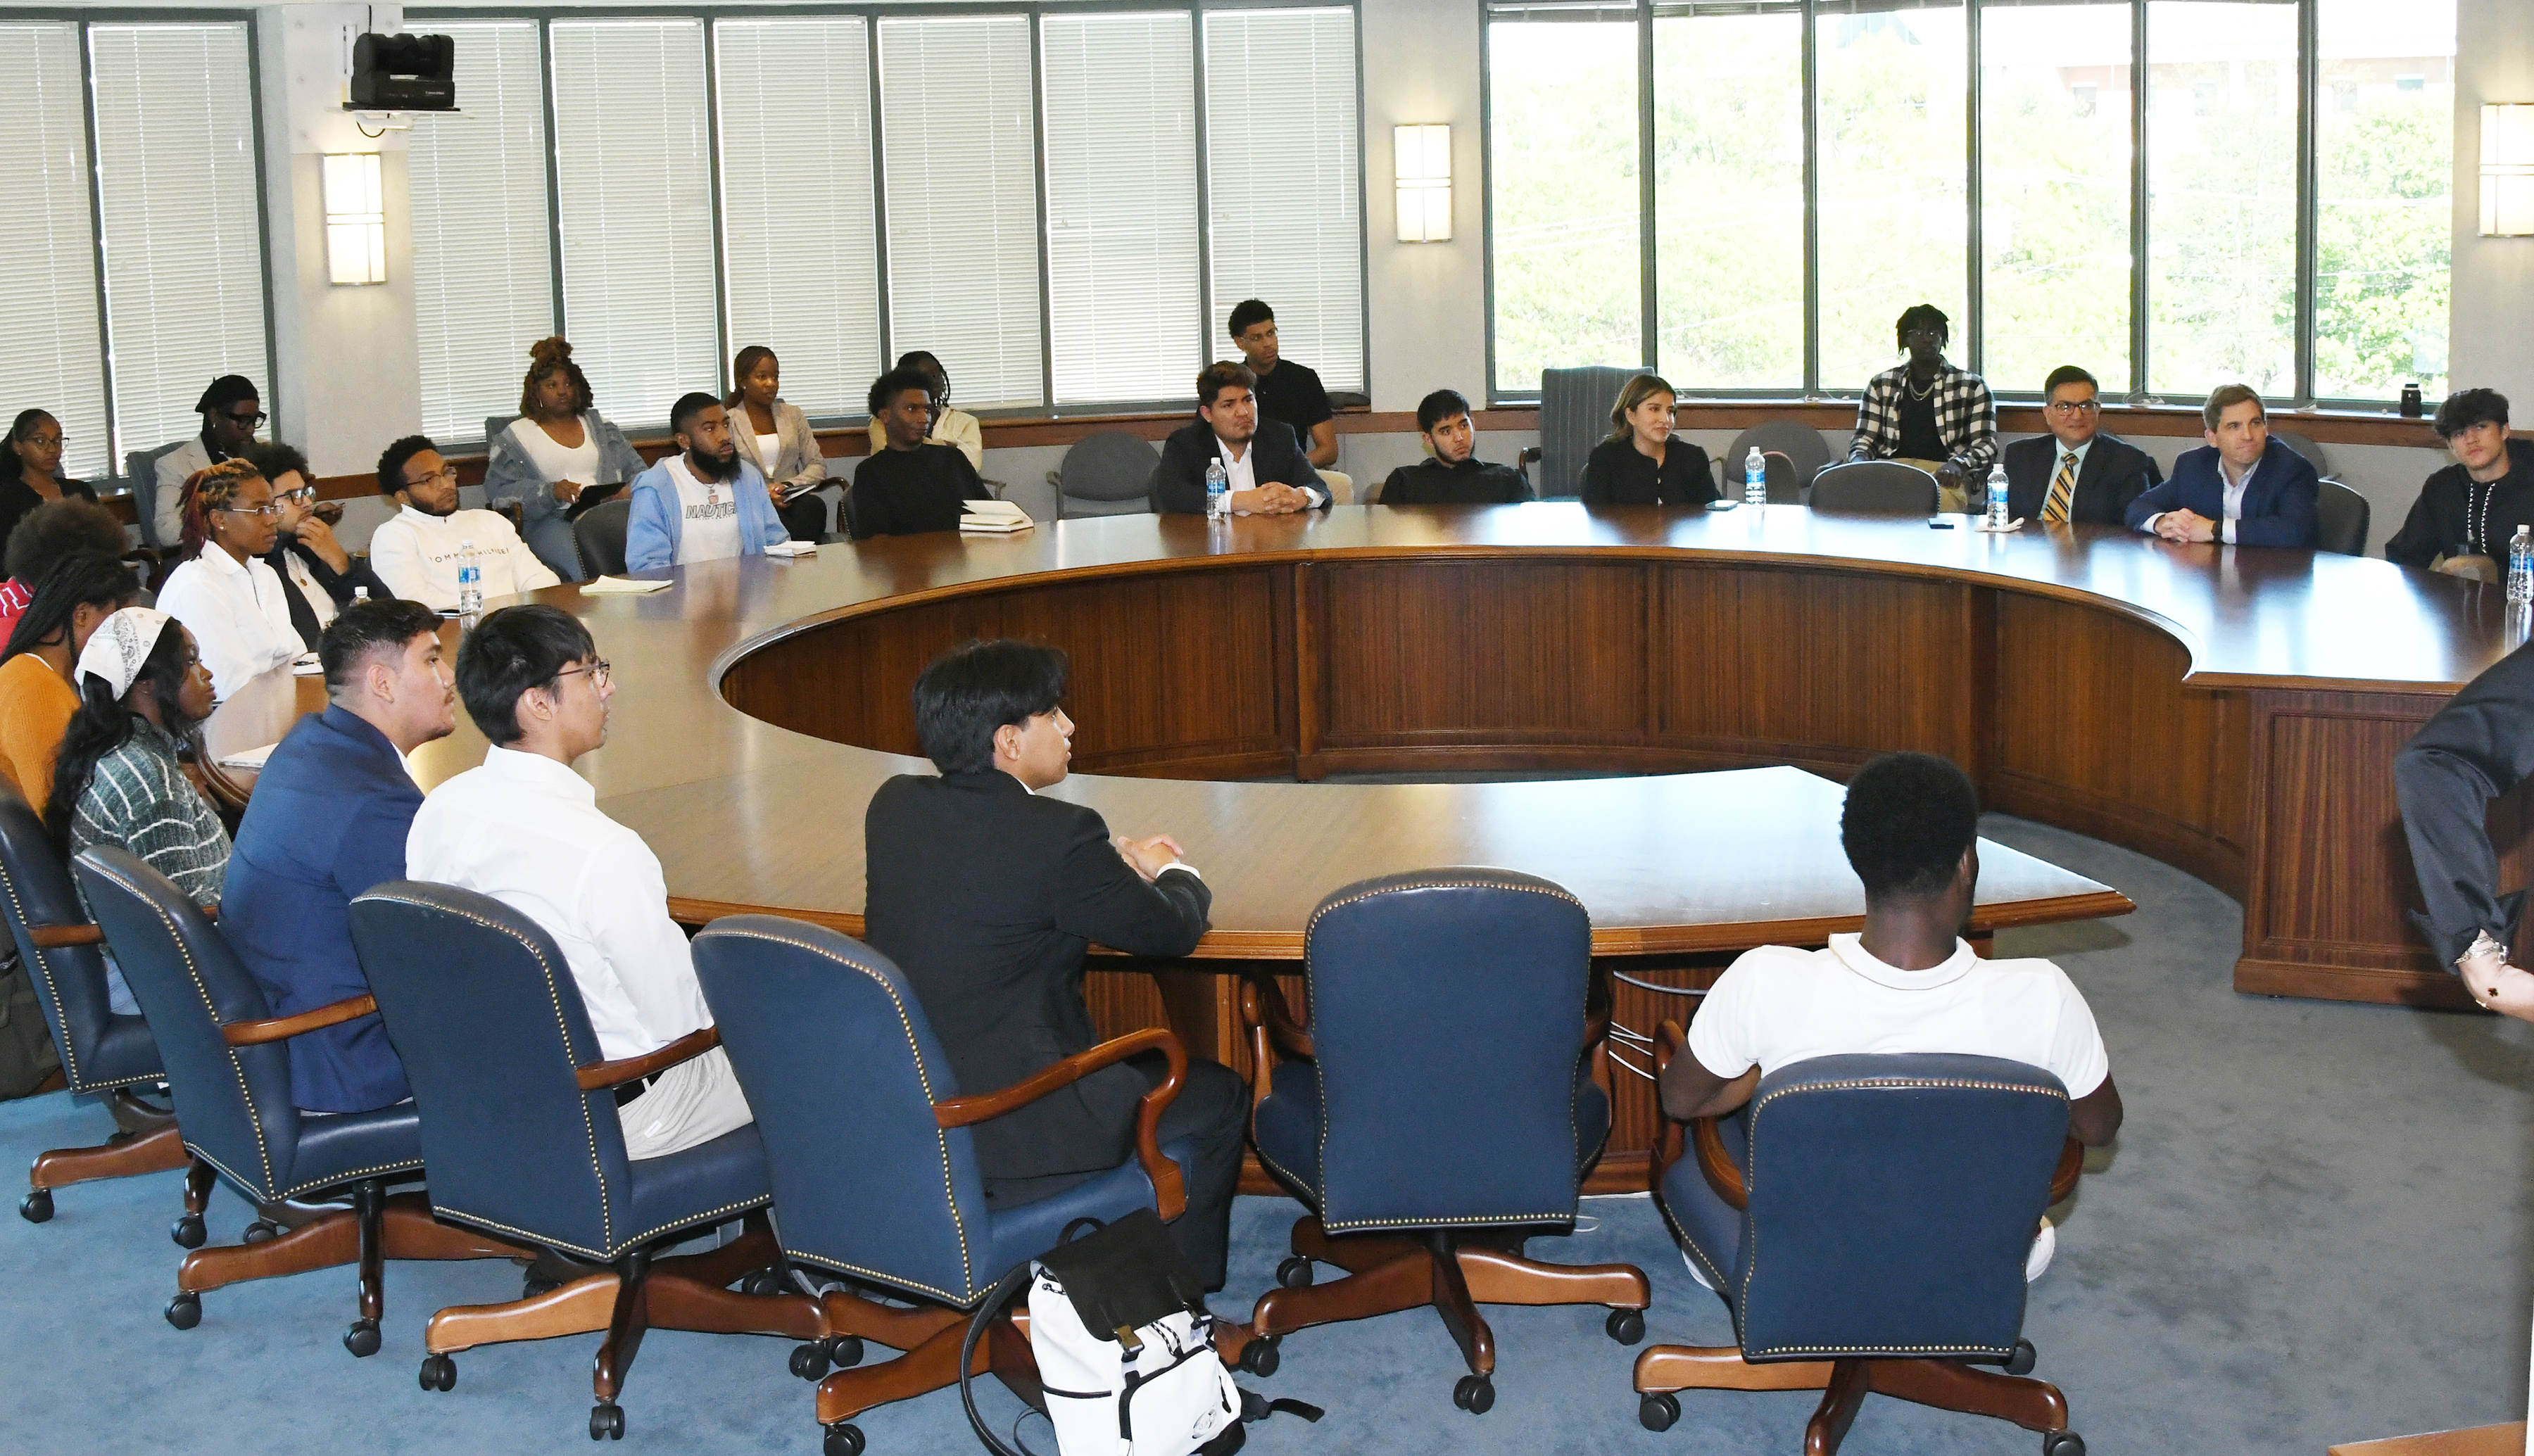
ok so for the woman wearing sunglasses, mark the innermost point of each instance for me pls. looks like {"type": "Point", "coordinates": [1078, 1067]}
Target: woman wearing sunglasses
{"type": "Point", "coordinates": [238, 608]}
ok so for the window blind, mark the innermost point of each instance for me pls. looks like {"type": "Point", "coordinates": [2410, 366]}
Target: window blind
{"type": "Point", "coordinates": [483, 263]}
{"type": "Point", "coordinates": [1284, 193]}
{"type": "Point", "coordinates": [800, 263]}
{"type": "Point", "coordinates": [634, 177]}
{"type": "Point", "coordinates": [1122, 234]}
{"type": "Point", "coordinates": [49, 350]}
{"type": "Point", "coordinates": [960, 171]}
{"type": "Point", "coordinates": [183, 247]}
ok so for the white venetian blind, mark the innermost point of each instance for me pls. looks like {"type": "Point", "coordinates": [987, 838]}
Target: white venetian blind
{"type": "Point", "coordinates": [483, 265]}
{"type": "Point", "coordinates": [1286, 197]}
{"type": "Point", "coordinates": [184, 249]}
{"type": "Point", "coordinates": [801, 261]}
{"type": "Point", "coordinates": [960, 169]}
{"type": "Point", "coordinates": [49, 351]}
{"type": "Point", "coordinates": [1121, 236]}
{"type": "Point", "coordinates": [634, 175]}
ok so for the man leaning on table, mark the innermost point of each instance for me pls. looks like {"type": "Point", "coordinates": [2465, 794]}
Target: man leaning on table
{"type": "Point", "coordinates": [2075, 475]}
{"type": "Point", "coordinates": [1262, 459]}
{"type": "Point", "coordinates": [2242, 488]}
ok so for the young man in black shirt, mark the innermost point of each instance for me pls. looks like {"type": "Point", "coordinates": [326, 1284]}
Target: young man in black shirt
{"type": "Point", "coordinates": [914, 485]}
{"type": "Point", "coordinates": [1455, 475]}
{"type": "Point", "coordinates": [2467, 513]}
{"type": "Point", "coordinates": [1286, 391]}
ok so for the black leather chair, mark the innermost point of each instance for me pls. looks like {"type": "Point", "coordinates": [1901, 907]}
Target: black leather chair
{"type": "Point", "coordinates": [231, 1078]}
{"type": "Point", "coordinates": [600, 535]}
{"type": "Point", "coordinates": [1880, 486]}
{"type": "Point", "coordinates": [1438, 1108]}
{"type": "Point", "coordinates": [519, 1124]}
{"type": "Point", "coordinates": [2340, 516]}
{"type": "Point", "coordinates": [873, 1175]}
{"type": "Point", "coordinates": [1873, 1240]}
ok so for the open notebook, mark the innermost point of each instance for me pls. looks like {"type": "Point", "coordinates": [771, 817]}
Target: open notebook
{"type": "Point", "coordinates": [993, 518]}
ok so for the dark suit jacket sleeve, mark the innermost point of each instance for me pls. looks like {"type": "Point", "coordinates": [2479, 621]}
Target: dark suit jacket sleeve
{"type": "Point", "coordinates": [2130, 473]}
{"type": "Point", "coordinates": [1294, 467]}
{"type": "Point", "coordinates": [1178, 481]}
{"type": "Point", "coordinates": [2293, 523]}
{"type": "Point", "coordinates": [2416, 544]}
{"type": "Point", "coordinates": [2157, 499]}
{"type": "Point", "coordinates": [2478, 747]}
{"type": "Point", "coordinates": [1101, 896]}
{"type": "Point", "coordinates": [2024, 482]}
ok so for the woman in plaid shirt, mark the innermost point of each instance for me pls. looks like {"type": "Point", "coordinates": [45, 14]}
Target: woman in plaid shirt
{"type": "Point", "coordinates": [1928, 414]}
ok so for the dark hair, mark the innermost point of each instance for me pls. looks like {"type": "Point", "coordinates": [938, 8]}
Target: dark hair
{"type": "Point", "coordinates": [1924, 316]}
{"type": "Point", "coordinates": [1907, 820]}
{"type": "Point", "coordinates": [393, 460]}
{"type": "Point", "coordinates": [55, 529]}
{"type": "Point", "coordinates": [885, 389]}
{"type": "Point", "coordinates": [274, 459]}
{"type": "Point", "coordinates": [1437, 407]}
{"type": "Point", "coordinates": [1248, 313]}
{"type": "Point", "coordinates": [363, 629]}
{"type": "Point", "coordinates": [2465, 408]}
{"type": "Point", "coordinates": [922, 359]}
{"type": "Point", "coordinates": [18, 429]}
{"type": "Point", "coordinates": [511, 651]}
{"type": "Point", "coordinates": [2225, 397]}
{"type": "Point", "coordinates": [103, 723]}
{"type": "Point", "coordinates": [82, 578]}
{"type": "Point", "coordinates": [210, 489]}
{"type": "Point", "coordinates": [1221, 375]}
{"type": "Point", "coordinates": [973, 689]}
{"type": "Point", "coordinates": [546, 357]}
{"type": "Point", "coordinates": [2066, 374]}
{"type": "Point", "coordinates": [740, 369]}
{"type": "Point", "coordinates": [689, 405]}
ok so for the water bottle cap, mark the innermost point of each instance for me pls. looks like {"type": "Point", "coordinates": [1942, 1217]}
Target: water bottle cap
{"type": "Point", "coordinates": [465, 545]}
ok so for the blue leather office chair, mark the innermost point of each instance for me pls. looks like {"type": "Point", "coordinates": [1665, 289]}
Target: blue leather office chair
{"type": "Point", "coordinates": [230, 1076]}
{"type": "Point", "coordinates": [104, 1054]}
{"type": "Point", "coordinates": [1437, 1108]}
{"type": "Point", "coordinates": [518, 1126]}
{"type": "Point", "coordinates": [1873, 1238]}
{"type": "Point", "coordinates": [874, 1173]}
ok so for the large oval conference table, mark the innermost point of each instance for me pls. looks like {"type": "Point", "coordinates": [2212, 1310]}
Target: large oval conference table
{"type": "Point", "coordinates": [2232, 712]}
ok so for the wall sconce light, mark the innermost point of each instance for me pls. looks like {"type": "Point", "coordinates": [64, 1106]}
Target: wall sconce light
{"type": "Point", "coordinates": [356, 223]}
{"type": "Point", "coordinates": [1422, 159]}
{"type": "Point", "coordinates": [2507, 170]}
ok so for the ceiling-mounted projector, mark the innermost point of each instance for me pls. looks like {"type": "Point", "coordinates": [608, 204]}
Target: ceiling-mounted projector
{"type": "Point", "coordinates": [404, 73]}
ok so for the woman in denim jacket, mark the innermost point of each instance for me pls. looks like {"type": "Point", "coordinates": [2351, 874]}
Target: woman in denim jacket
{"type": "Point", "coordinates": [558, 447]}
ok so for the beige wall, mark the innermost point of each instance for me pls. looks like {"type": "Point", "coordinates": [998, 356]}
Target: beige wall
{"type": "Point", "coordinates": [2490, 343]}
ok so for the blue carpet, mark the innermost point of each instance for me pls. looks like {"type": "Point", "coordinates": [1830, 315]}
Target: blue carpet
{"type": "Point", "coordinates": [2311, 1230]}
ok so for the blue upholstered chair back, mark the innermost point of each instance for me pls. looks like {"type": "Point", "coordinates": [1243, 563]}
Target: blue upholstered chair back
{"type": "Point", "coordinates": [100, 1050]}
{"type": "Point", "coordinates": [233, 1102]}
{"type": "Point", "coordinates": [1447, 1018]}
{"type": "Point", "coordinates": [484, 1013]}
{"type": "Point", "coordinates": [1892, 1201]}
{"type": "Point", "coordinates": [842, 1072]}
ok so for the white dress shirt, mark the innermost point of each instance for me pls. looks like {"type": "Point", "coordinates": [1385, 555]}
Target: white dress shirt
{"type": "Point", "coordinates": [240, 618]}
{"type": "Point", "coordinates": [415, 553]}
{"type": "Point", "coordinates": [2233, 503]}
{"type": "Point", "coordinates": [1241, 474]}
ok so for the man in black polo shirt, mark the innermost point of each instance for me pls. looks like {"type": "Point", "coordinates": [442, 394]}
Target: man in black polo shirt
{"type": "Point", "coordinates": [1286, 391]}
{"type": "Point", "coordinates": [1455, 475]}
{"type": "Point", "coordinates": [2467, 513]}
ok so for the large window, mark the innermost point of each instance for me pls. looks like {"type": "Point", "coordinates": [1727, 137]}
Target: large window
{"type": "Point", "coordinates": [50, 348]}
{"type": "Point", "coordinates": [1747, 193]}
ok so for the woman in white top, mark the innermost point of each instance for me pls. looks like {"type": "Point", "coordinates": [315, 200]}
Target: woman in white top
{"type": "Point", "coordinates": [224, 591]}
{"type": "Point", "coordinates": [952, 427]}
{"type": "Point", "coordinates": [775, 438]}
{"type": "Point", "coordinates": [558, 447]}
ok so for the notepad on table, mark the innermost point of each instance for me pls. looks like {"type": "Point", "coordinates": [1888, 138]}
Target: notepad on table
{"type": "Point", "coordinates": [793, 548]}
{"type": "Point", "coordinates": [993, 518]}
{"type": "Point", "coordinates": [620, 586]}
{"type": "Point", "coordinates": [251, 759]}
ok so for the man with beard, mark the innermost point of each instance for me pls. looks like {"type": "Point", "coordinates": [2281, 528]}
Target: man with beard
{"type": "Point", "coordinates": [1263, 464]}
{"type": "Point", "coordinates": [703, 503]}
{"type": "Point", "coordinates": [415, 552]}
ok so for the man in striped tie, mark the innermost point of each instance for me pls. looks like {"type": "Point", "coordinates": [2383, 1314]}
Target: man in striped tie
{"type": "Point", "coordinates": [2075, 475]}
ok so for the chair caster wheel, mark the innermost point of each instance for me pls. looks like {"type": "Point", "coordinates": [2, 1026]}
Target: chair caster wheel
{"type": "Point", "coordinates": [439, 1373]}
{"type": "Point", "coordinates": [362, 1339]}
{"type": "Point", "coordinates": [810, 1362]}
{"type": "Point", "coordinates": [844, 1352]}
{"type": "Point", "coordinates": [762, 1282]}
{"type": "Point", "coordinates": [187, 1231]}
{"type": "Point", "coordinates": [37, 1206]}
{"type": "Point", "coordinates": [1475, 1394]}
{"type": "Point", "coordinates": [1260, 1357]}
{"type": "Point", "coordinates": [2025, 1358]}
{"type": "Point", "coordinates": [844, 1440]}
{"type": "Point", "coordinates": [1627, 1326]}
{"type": "Point", "coordinates": [2063, 1443]}
{"type": "Point", "coordinates": [259, 1231]}
{"type": "Point", "coordinates": [607, 1421]}
{"type": "Point", "coordinates": [1295, 1273]}
{"type": "Point", "coordinates": [1657, 1410]}
{"type": "Point", "coordinates": [185, 1311]}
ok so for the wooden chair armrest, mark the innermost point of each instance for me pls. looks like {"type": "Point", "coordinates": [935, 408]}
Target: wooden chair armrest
{"type": "Point", "coordinates": [2072, 1163]}
{"type": "Point", "coordinates": [1723, 1174]}
{"type": "Point", "coordinates": [55, 936]}
{"type": "Point", "coordinates": [1169, 1193]}
{"type": "Point", "coordinates": [600, 1075]}
{"type": "Point", "coordinates": [1263, 1003]}
{"type": "Point", "coordinates": [1669, 1039]}
{"type": "Point", "coordinates": [281, 1028]}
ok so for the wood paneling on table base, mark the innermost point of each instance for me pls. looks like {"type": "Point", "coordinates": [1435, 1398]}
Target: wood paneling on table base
{"type": "Point", "coordinates": [2480, 1441]}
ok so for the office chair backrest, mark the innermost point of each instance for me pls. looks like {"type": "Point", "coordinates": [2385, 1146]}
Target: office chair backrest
{"type": "Point", "coordinates": [1795, 452]}
{"type": "Point", "coordinates": [2305, 446]}
{"type": "Point", "coordinates": [494, 425]}
{"type": "Point", "coordinates": [1876, 486]}
{"type": "Point", "coordinates": [234, 1102]}
{"type": "Point", "coordinates": [1109, 474]}
{"type": "Point", "coordinates": [842, 1071]}
{"type": "Point", "coordinates": [489, 1025]}
{"type": "Point", "coordinates": [599, 535]}
{"type": "Point", "coordinates": [1892, 1202]}
{"type": "Point", "coordinates": [1574, 416]}
{"type": "Point", "coordinates": [2341, 519]}
{"type": "Point", "coordinates": [140, 467]}
{"type": "Point", "coordinates": [1447, 1015]}
{"type": "Point", "coordinates": [100, 1050]}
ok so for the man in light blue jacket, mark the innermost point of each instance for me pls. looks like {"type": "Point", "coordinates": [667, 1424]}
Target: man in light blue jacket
{"type": "Point", "coordinates": [703, 503]}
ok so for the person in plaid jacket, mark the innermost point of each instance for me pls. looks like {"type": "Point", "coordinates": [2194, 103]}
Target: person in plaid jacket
{"type": "Point", "coordinates": [1928, 414]}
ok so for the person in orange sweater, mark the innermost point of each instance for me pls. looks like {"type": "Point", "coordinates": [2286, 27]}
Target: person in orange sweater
{"type": "Point", "coordinates": [37, 700]}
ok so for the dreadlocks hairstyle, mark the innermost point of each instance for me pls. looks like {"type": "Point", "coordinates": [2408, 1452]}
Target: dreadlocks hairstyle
{"type": "Point", "coordinates": [209, 490]}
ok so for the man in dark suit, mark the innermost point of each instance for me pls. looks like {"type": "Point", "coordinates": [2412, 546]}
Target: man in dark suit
{"type": "Point", "coordinates": [1262, 463]}
{"type": "Point", "coordinates": [2244, 488]}
{"type": "Point", "coordinates": [986, 895]}
{"type": "Point", "coordinates": [2075, 473]}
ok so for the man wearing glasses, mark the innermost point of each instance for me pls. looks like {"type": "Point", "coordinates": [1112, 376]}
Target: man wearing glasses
{"type": "Point", "coordinates": [415, 551]}
{"type": "Point", "coordinates": [230, 414]}
{"type": "Point", "coordinates": [2076, 474]}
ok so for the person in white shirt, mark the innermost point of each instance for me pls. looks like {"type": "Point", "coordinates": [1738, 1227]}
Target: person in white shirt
{"type": "Point", "coordinates": [415, 551]}
{"type": "Point", "coordinates": [703, 503]}
{"type": "Point", "coordinates": [235, 604]}
{"type": "Point", "coordinates": [559, 459]}
{"type": "Point", "coordinates": [526, 831]}
{"type": "Point", "coordinates": [1907, 983]}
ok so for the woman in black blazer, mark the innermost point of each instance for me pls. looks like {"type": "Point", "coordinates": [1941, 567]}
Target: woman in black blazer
{"type": "Point", "coordinates": [1641, 464]}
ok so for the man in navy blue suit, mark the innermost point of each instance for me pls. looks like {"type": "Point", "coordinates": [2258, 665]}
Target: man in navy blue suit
{"type": "Point", "coordinates": [2245, 489]}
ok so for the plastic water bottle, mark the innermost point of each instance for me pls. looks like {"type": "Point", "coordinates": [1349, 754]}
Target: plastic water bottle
{"type": "Point", "coordinates": [1755, 478]}
{"type": "Point", "coordinates": [2520, 565]}
{"type": "Point", "coordinates": [1997, 498]}
{"type": "Point", "coordinates": [360, 593]}
{"type": "Point", "coordinates": [1218, 490]}
{"type": "Point", "coordinates": [471, 581]}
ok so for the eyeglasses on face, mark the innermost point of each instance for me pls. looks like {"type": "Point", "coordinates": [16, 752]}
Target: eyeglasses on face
{"type": "Point", "coordinates": [303, 494]}
{"type": "Point", "coordinates": [443, 473]}
{"type": "Point", "coordinates": [249, 420]}
{"type": "Point", "coordinates": [2076, 407]}
{"type": "Point", "coordinates": [600, 673]}
{"type": "Point", "coordinates": [269, 507]}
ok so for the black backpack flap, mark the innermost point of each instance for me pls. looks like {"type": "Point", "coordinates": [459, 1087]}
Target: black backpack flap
{"type": "Point", "coordinates": [1125, 1275]}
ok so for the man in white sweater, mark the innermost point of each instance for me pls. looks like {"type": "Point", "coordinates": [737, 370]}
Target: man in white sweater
{"type": "Point", "coordinates": [415, 552]}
